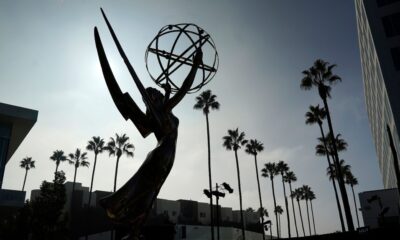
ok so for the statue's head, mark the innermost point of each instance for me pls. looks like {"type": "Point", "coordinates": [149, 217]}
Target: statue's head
{"type": "Point", "coordinates": [156, 97]}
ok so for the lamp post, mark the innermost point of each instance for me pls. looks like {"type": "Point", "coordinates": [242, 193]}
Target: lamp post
{"type": "Point", "coordinates": [266, 227]}
{"type": "Point", "coordinates": [218, 192]}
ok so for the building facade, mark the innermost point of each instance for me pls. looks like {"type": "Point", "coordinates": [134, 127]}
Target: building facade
{"type": "Point", "coordinates": [380, 207]}
{"type": "Point", "coordinates": [378, 23]}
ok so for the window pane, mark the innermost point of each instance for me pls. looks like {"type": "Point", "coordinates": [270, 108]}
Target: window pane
{"type": "Point", "coordinates": [382, 3]}
{"type": "Point", "coordinates": [396, 57]}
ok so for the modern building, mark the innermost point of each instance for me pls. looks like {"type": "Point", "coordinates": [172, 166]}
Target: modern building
{"type": "Point", "coordinates": [15, 124]}
{"type": "Point", "coordinates": [188, 219]}
{"type": "Point", "coordinates": [380, 207]}
{"type": "Point", "coordinates": [378, 23]}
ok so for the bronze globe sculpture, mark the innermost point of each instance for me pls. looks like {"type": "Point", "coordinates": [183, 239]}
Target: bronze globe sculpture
{"type": "Point", "coordinates": [130, 205]}
{"type": "Point", "coordinates": [174, 48]}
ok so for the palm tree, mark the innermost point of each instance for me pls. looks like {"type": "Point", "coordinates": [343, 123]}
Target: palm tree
{"type": "Point", "coordinates": [311, 198]}
{"type": "Point", "coordinates": [331, 172]}
{"type": "Point", "coordinates": [320, 75]}
{"type": "Point", "coordinates": [282, 168]}
{"type": "Point", "coordinates": [271, 171]}
{"type": "Point", "coordinates": [26, 163]}
{"type": "Point", "coordinates": [78, 159]}
{"type": "Point", "coordinates": [253, 148]}
{"type": "Point", "coordinates": [317, 115]}
{"type": "Point", "coordinates": [306, 196]}
{"type": "Point", "coordinates": [206, 101]}
{"type": "Point", "coordinates": [118, 147]}
{"type": "Point", "coordinates": [96, 144]}
{"type": "Point", "coordinates": [298, 193]}
{"type": "Point", "coordinates": [352, 181]}
{"type": "Point", "coordinates": [58, 156]}
{"type": "Point", "coordinates": [278, 211]}
{"type": "Point", "coordinates": [234, 141]}
{"type": "Point", "coordinates": [289, 178]}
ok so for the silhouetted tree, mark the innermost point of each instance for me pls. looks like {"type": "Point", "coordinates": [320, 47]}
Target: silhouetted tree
{"type": "Point", "coordinates": [352, 181]}
{"type": "Point", "coordinates": [96, 144]}
{"type": "Point", "coordinates": [271, 171]}
{"type": "Point", "coordinates": [26, 163]}
{"type": "Point", "coordinates": [320, 75]}
{"type": "Point", "coordinates": [283, 168]}
{"type": "Point", "coordinates": [206, 101]}
{"type": "Point", "coordinates": [298, 193]}
{"type": "Point", "coordinates": [118, 147]}
{"type": "Point", "coordinates": [317, 115]}
{"type": "Point", "coordinates": [253, 148]}
{"type": "Point", "coordinates": [48, 219]}
{"type": "Point", "coordinates": [289, 178]}
{"type": "Point", "coordinates": [278, 211]}
{"type": "Point", "coordinates": [312, 197]}
{"type": "Point", "coordinates": [58, 156]}
{"type": "Point", "coordinates": [234, 141]}
{"type": "Point", "coordinates": [306, 196]}
{"type": "Point", "coordinates": [78, 159]}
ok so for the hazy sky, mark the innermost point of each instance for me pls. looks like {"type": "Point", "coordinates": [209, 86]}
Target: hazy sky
{"type": "Point", "coordinates": [48, 62]}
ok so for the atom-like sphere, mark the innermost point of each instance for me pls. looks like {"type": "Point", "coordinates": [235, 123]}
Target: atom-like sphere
{"type": "Point", "coordinates": [169, 56]}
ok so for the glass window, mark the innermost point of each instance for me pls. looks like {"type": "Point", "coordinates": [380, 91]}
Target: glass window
{"type": "Point", "coordinates": [396, 57]}
{"type": "Point", "coordinates": [391, 24]}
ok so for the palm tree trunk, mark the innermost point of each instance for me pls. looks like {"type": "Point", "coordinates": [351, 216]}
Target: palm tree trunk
{"type": "Point", "coordinates": [313, 219]}
{"type": "Point", "coordinates": [56, 167]}
{"type": "Point", "coordinates": [116, 173]}
{"type": "Point", "coordinates": [73, 185]}
{"type": "Point", "coordinates": [342, 187]}
{"type": "Point", "coordinates": [333, 181]}
{"type": "Point", "coordinates": [91, 182]}
{"type": "Point", "coordinates": [259, 195]}
{"type": "Point", "coordinates": [26, 173]}
{"type": "Point", "coordinates": [308, 217]}
{"type": "Point", "coordinates": [355, 205]}
{"type": "Point", "coordinates": [90, 194]}
{"type": "Point", "coordinates": [294, 212]}
{"type": "Point", "coordinates": [209, 178]}
{"type": "Point", "coordinates": [276, 214]}
{"type": "Point", "coordinates": [301, 217]}
{"type": "Point", "coordinates": [240, 196]}
{"type": "Point", "coordinates": [286, 205]}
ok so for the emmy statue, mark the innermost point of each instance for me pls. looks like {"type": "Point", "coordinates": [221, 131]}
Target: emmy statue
{"type": "Point", "coordinates": [130, 205]}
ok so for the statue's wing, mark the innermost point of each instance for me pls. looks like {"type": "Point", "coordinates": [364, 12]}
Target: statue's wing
{"type": "Point", "coordinates": [136, 79]}
{"type": "Point", "coordinates": [125, 104]}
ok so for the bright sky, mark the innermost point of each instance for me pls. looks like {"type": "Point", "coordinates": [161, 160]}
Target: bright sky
{"type": "Point", "coordinates": [48, 62]}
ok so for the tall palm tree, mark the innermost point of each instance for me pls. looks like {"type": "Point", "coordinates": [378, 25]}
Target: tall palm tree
{"type": "Point", "coordinates": [332, 173]}
{"type": "Point", "coordinates": [96, 144]}
{"type": "Point", "coordinates": [298, 193]}
{"type": "Point", "coordinates": [78, 159]}
{"type": "Point", "coordinates": [306, 196]}
{"type": "Point", "coordinates": [234, 141]}
{"type": "Point", "coordinates": [352, 181]}
{"type": "Point", "coordinates": [311, 198]}
{"type": "Point", "coordinates": [315, 116]}
{"type": "Point", "coordinates": [253, 148]}
{"type": "Point", "coordinates": [58, 156]}
{"type": "Point", "coordinates": [206, 101]}
{"type": "Point", "coordinates": [26, 163]}
{"type": "Point", "coordinates": [278, 211]}
{"type": "Point", "coordinates": [283, 168]}
{"type": "Point", "coordinates": [320, 75]}
{"type": "Point", "coordinates": [118, 147]}
{"type": "Point", "coordinates": [289, 178]}
{"type": "Point", "coordinates": [271, 171]}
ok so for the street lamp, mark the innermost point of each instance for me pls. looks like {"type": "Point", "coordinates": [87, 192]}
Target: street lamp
{"type": "Point", "coordinates": [218, 192]}
{"type": "Point", "coordinates": [266, 227]}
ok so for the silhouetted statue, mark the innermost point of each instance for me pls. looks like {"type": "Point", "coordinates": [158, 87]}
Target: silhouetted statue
{"type": "Point", "coordinates": [131, 204]}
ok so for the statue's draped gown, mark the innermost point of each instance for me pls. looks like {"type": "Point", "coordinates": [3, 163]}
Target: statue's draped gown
{"type": "Point", "coordinates": [133, 201]}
